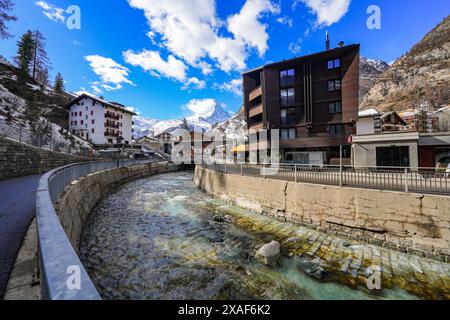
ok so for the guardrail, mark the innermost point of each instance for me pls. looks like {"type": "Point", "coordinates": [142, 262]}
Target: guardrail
{"type": "Point", "coordinates": [419, 180]}
{"type": "Point", "coordinates": [63, 277]}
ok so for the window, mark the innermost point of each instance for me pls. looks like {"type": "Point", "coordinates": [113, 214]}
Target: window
{"type": "Point", "coordinates": [93, 121]}
{"type": "Point", "coordinates": [334, 64]}
{"type": "Point", "coordinates": [81, 114]}
{"type": "Point", "coordinates": [76, 122]}
{"type": "Point", "coordinates": [288, 116]}
{"type": "Point", "coordinates": [287, 96]}
{"type": "Point", "coordinates": [92, 113]}
{"type": "Point", "coordinates": [87, 117]}
{"type": "Point", "coordinates": [93, 130]}
{"type": "Point", "coordinates": [82, 122]}
{"type": "Point", "coordinates": [335, 107]}
{"type": "Point", "coordinates": [334, 85]}
{"type": "Point", "coordinates": [287, 77]}
{"type": "Point", "coordinates": [393, 157]}
{"type": "Point", "coordinates": [71, 123]}
{"type": "Point", "coordinates": [336, 129]}
{"type": "Point", "coordinates": [87, 108]}
{"type": "Point", "coordinates": [288, 134]}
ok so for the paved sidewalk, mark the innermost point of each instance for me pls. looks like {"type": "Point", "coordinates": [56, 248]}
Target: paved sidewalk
{"type": "Point", "coordinates": [17, 210]}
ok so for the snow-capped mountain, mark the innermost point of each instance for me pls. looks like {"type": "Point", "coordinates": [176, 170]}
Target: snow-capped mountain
{"type": "Point", "coordinates": [370, 72]}
{"type": "Point", "coordinates": [202, 120]}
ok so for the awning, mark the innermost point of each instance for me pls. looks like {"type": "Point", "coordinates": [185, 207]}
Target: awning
{"type": "Point", "coordinates": [241, 148]}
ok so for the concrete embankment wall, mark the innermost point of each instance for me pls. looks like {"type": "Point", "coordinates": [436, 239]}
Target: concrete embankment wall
{"type": "Point", "coordinates": [78, 200]}
{"type": "Point", "coordinates": [18, 159]}
{"type": "Point", "coordinates": [414, 223]}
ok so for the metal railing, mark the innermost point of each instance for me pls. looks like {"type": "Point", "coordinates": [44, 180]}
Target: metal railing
{"type": "Point", "coordinates": [418, 180]}
{"type": "Point", "coordinates": [58, 260]}
{"type": "Point", "coordinates": [37, 139]}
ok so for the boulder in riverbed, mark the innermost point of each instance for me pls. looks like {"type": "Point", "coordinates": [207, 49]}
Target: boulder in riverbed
{"type": "Point", "coordinates": [313, 268]}
{"type": "Point", "coordinates": [269, 254]}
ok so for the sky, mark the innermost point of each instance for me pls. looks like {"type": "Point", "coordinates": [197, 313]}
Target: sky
{"type": "Point", "coordinates": [170, 59]}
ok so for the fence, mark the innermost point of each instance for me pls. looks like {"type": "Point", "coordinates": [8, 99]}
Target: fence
{"type": "Point", "coordinates": [40, 140]}
{"type": "Point", "coordinates": [55, 250]}
{"type": "Point", "coordinates": [421, 180]}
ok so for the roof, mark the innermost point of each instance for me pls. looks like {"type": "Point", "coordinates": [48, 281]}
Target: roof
{"type": "Point", "coordinates": [368, 113]}
{"type": "Point", "coordinates": [330, 52]}
{"type": "Point", "coordinates": [104, 102]}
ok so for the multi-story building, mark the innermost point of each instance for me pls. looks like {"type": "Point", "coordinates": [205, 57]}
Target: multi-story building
{"type": "Point", "coordinates": [99, 121]}
{"type": "Point", "coordinates": [313, 100]}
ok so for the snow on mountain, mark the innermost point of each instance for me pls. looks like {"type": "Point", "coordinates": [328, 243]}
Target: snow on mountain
{"type": "Point", "coordinates": [203, 118]}
{"type": "Point", "coordinates": [370, 72]}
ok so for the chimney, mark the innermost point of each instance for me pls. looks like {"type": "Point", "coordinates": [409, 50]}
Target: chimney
{"type": "Point", "coordinates": [328, 41]}
{"type": "Point", "coordinates": [341, 44]}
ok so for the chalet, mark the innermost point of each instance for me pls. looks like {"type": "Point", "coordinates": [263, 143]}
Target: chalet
{"type": "Point", "coordinates": [100, 122]}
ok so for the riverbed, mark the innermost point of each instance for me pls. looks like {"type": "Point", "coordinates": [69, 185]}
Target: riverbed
{"type": "Point", "coordinates": [162, 238]}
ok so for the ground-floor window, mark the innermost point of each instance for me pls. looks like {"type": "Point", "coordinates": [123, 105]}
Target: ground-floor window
{"type": "Point", "coordinates": [393, 157]}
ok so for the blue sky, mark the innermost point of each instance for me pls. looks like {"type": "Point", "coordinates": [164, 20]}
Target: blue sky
{"type": "Point", "coordinates": [168, 61]}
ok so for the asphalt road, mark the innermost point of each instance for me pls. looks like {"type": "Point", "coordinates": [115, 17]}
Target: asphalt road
{"type": "Point", "coordinates": [17, 210]}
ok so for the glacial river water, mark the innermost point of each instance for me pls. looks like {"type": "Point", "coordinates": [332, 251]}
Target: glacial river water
{"type": "Point", "coordinates": [157, 238]}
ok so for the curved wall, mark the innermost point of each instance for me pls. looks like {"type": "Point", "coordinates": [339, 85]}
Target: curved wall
{"type": "Point", "coordinates": [414, 223]}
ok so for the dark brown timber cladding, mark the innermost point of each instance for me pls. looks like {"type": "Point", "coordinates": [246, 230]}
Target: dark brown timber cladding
{"type": "Point", "coordinates": [311, 118]}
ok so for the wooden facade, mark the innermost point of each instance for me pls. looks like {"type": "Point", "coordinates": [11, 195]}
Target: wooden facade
{"type": "Point", "coordinates": [300, 88]}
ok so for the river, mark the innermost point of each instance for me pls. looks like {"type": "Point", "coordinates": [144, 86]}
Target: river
{"type": "Point", "coordinates": [158, 238]}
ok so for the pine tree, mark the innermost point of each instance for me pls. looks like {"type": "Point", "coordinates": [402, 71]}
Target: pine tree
{"type": "Point", "coordinates": [5, 7]}
{"type": "Point", "coordinates": [25, 53]}
{"type": "Point", "coordinates": [40, 63]}
{"type": "Point", "coordinates": [59, 84]}
{"type": "Point", "coordinates": [186, 125]}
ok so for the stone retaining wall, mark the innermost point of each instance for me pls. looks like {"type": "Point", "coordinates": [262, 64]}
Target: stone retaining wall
{"type": "Point", "coordinates": [18, 159]}
{"type": "Point", "coordinates": [78, 200]}
{"type": "Point", "coordinates": [414, 223]}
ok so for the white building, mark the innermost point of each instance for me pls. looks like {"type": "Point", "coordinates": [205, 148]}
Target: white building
{"type": "Point", "coordinates": [99, 121]}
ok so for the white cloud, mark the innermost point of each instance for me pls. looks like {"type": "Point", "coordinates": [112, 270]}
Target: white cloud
{"type": "Point", "coordinates": [201, 108]}
{"type": "Point", "coordinates": [286, 20]}
{"type": "Point", "coordinates": [151, 61]}
{"type": "Point", "coordinates": [247, 27]}
{"type": "Point", "coordinates": [296, 47]}
{"type": "Point", "coordinates": [112, 74]}
{"type": "Point", "coordinates": [234, 86]}
{"type": "Point", "coordinates": [194, 82]}
{"type": "Point", "coordinates": [328, 12]}
{"type": "Point", "coordinates": [52, 12]}
{"type": "Point", "coordinates": [173, 68]}
{"type": "Point", "coordinates": [190, 30]}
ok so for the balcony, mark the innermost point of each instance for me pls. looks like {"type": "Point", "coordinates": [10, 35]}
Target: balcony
{"type": "Point", "coordinates": [110, 115]}
{"type": "Point", "coordinates": [255, 111]}
{"type": "Point", "coordinates": [256, 126]}
{"type": "Point", "coordinates": [255, 93]}
{"type": "Point", "coordinates": [112, 125]}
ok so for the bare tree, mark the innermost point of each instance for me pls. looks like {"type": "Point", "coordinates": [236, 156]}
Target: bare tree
{"type": "Point", "coordinates": [5, 7]}
{"type": "Point", "coordinates": [41, 63]}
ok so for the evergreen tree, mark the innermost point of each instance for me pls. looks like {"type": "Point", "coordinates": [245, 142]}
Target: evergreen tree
{"type": "Point", "coordinates": [40, 63]}
{"type": "Point", "coordinates": [5, 7]}
{"type": "Point", "coordinates": [186, 125]}
{"type": "Point", "coordinates": [25, 54]}
{"type": "Point", "coordinates": [59, 84]}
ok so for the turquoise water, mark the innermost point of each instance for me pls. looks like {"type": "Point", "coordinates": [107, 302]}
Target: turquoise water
{"type": "Point", "coordinates": [157, 238]}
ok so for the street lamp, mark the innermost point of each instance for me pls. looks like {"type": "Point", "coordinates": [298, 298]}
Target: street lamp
{"type": "Point", "coordinates": [119, 143]}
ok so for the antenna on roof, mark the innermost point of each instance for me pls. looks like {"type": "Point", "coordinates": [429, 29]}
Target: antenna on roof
{"type": "Point", "coordinates": [328, 41]}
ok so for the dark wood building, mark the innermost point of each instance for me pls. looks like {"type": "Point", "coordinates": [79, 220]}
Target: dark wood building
{"type": "Point", "coordinates": [313, 100]}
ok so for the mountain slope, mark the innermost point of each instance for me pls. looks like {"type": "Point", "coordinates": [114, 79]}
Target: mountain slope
{"type": "Point", "coordinates": [422, 75]}
{"type": "Point", "coordinates": [34, 107]}
{"type": "Point", "coordinates": [370, 71]}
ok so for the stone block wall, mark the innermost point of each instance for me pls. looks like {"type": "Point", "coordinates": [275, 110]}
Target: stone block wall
{"type": "Point", "coordinates": [17, 159]}
{"type": "Point", "coordinates": [414, 223]}
{"type": "Point", "coordinates": [77, 201]}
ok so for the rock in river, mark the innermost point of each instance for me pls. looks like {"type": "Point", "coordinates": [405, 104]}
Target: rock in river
{"type": "Point", "coordinates": [313, 268]}
{"type": "Point", "coordinates": [269, 254]}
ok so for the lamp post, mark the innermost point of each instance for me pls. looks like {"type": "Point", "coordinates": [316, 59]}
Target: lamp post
{"type": "Point", "coordinates": [119, 142]}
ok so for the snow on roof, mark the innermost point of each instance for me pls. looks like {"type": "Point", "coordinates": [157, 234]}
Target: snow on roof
{"type": "Point", "coordinates": [111, 104]}
{"type": "Point", "coordinates": [368, 113]}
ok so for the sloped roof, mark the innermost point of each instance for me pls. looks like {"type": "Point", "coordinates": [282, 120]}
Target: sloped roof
{"type": "Point", "coordinates": [101, 101]}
